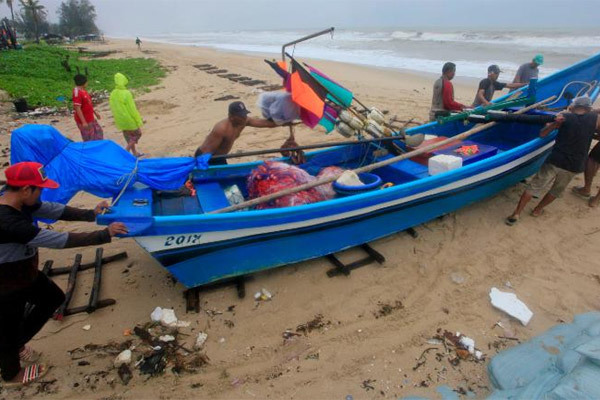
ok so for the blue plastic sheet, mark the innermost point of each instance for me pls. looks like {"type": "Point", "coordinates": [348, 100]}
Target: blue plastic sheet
{"type": "Point", "coordinates": [101, 167]}
{"type": "Point", "coordinates": [559, 364]}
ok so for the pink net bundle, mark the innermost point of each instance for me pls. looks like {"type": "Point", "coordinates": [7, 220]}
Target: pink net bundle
{"type": "Point", "coordinates": [327, 189]}
{"type": "Point", "coordinates": [273, 176]}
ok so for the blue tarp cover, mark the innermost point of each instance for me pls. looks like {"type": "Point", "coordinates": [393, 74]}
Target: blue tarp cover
{"type": "Point", "coordinates": [99, 167]}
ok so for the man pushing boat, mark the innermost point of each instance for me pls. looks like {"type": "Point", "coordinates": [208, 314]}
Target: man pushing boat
{"type": "Point", "coordinates": [576, 128]}
{"type": "Point", "coordinates": [223, 135]}
{"type": "Point", "coordinates": [20, 281]}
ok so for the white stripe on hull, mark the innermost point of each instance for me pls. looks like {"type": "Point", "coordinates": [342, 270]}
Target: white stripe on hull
{"type": "Point", "coordinates": [169, 242]}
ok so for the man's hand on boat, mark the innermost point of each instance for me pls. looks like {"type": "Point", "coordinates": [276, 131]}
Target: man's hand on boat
{"type": "Point", "coordinates": [101, 208]}
{"type": "Point", "coordinates": [297, 156]}
{"type": "Point", "coordinates": [117, 228]}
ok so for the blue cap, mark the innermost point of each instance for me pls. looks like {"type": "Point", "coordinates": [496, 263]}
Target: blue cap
{"type": "Point", "coordinates": [538, 59]}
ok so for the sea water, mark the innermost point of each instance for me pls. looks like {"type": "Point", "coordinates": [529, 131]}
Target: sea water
{"type": "Point", "coordinates": [422, 51]}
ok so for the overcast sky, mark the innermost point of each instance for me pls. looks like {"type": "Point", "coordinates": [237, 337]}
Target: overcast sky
{"type": "Point", "coordinates": [144, 17]}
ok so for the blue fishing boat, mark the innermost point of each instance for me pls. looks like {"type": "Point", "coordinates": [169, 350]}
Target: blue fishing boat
{"type": "Point", "coordinates": [199, 246]}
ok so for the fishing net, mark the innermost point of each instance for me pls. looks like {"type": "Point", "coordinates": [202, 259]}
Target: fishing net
{"type": "Point", "coordinates": [273, 176]}
{"type": "Point", "coordinates": [327, 189]}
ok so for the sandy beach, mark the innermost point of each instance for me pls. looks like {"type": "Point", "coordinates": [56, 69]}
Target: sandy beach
{"type": "Point", "coordinates": [438, 281]}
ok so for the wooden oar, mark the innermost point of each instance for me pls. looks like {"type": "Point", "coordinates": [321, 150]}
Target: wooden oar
{"type": "Point", "coordinates": [307, 147]}
{"type": "Point", "coordinates": [370, 167]}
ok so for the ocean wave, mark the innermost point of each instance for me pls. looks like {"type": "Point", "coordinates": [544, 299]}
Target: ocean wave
{"type": "Point", "coordinates": [526, 40]}
{"type": "Point", "coordinates": [367, 57]}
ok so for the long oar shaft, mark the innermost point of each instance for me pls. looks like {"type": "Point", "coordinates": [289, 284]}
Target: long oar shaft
{"type": "Point", "coordinates": [370, 167]}
{"type": "Point", "coordinates": [307, 147]}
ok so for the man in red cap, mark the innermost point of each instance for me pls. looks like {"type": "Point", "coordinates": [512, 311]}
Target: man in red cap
{"type": "Point", "coordinates": [20, 281]}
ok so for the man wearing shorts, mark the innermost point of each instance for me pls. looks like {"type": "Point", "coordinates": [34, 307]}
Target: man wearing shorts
{"type": "Point", "coordinates": [127, 118]}
{"type": "Point", "coordinates": [591, 168]}
{"type": "Point", "coordinates": [576, 129]}
{"type": "Point", "coordinates": [85, 115]}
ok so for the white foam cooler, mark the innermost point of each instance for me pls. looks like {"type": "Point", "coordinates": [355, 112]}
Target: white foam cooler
{"type": "Point", "coordinates": [442, 163]}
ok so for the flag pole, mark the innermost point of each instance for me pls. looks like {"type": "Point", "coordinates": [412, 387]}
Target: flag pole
{"type": "Point", "coordinates": [314, 35]}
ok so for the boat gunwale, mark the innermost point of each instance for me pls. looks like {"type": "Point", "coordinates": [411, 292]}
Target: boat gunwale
{"type": "Point", "coordinates": [364, 199]}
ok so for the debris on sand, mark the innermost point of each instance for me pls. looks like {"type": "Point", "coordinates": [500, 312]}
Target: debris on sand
{"type": "Point", "coordinates": [386, 309]}
{"type": "Point", "coordinates": [125, 374]}
{"type": "Point", "coordinates": [316, 323]}
{"type": "Point", "coordinates": [368, 384]}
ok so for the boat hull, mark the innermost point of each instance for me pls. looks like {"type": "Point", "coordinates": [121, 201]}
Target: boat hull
{"type": "Point", "coordinates": [223, 259]}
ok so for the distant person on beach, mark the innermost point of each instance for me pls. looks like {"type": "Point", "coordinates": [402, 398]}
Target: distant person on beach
{"type": "Point", "coordinates": [222, 136]}
{"type": "Point", "coordinates": [85, 115]}
{"type": "Point", "coordinates": [127, 118]}
{"type": "Point", "coordinates": [487, 87]}
{"type": "Point", "coordinates": [443, 102]}
{"type": "Point", "coordinates": [576, 128]}
{"type": "Point", "coordinates": [529, 70]}
{"type": "Point", "coordinates": [138, 43]}
{"type": "Point", "coordinates": [22, 285]}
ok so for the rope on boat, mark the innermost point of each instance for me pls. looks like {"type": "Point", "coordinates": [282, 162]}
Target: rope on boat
{"type": "Point", "coordinates": [586, 90]}
{"type": "Point", "coordinates": [129, 177]}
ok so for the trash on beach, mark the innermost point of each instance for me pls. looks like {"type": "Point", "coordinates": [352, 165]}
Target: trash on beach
{"type": "Point", "coordinates": [166, 338]}
{"type": "Point", "coordinates": [156, 315]}
{"type": "Point", "coordinates": [154, 364]}
{"type": "Point", "coordinates": [123, 358]}
{"type": "Point", "coordinates": [125, 374]}
{"type": "Point", "coordinates": [510, 304]}
{"type": "Point", "coordinates": [317, 322]}
{"type": "Point", "coordinates": [263, 295]}
{"type": "Point", "coordinates": [86, 327]}
{"type": "Point", "coordinates": [200, 340]}
{"type": "Point", "coordinates": [167, 317]}
{"type": "Point", "coordinates": [288, 334]}
{"type": "Point", "coordinates": [464, 346]}
{"type": "Point", "coordinates": [468, 344]}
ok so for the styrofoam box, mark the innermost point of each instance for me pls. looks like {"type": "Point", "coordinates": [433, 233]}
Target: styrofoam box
{"type": "Point", "coordinates": [442, 163]}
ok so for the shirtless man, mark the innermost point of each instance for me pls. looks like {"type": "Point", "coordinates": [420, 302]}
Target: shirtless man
{"type": "Point", "coordinates": [220, 140]}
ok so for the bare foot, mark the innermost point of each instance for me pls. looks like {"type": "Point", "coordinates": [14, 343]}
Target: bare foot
{"type": "Point", "coordinates": [536, 213]}
{"type": "Point", "coordinates": [594, 201]}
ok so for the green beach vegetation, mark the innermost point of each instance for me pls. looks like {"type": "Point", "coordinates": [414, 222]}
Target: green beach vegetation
{"type": "Point", "coordinates": [38, 73]}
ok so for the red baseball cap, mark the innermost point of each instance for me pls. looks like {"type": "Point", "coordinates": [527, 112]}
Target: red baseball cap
{"type": "Point", "coordinates": [28, 174]}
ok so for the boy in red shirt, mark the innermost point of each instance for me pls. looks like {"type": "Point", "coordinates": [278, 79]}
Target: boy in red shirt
{"type": "Point", "coordinates": [85, 115]}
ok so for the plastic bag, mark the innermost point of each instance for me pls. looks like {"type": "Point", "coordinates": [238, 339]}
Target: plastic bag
{"type": "Point", "coordinates": [279, 107]}
{"type": "Point", "coordinates": [273, 177]}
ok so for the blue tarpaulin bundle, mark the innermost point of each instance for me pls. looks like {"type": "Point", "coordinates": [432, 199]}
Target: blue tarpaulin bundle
{"type": "Point", "coordinates": [560, 364]}
{"type": "Point", "coordinates": [98, 167]}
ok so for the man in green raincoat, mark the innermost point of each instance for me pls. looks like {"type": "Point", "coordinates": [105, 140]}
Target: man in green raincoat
{"type": "Point", "coordinates": [127, 118]}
